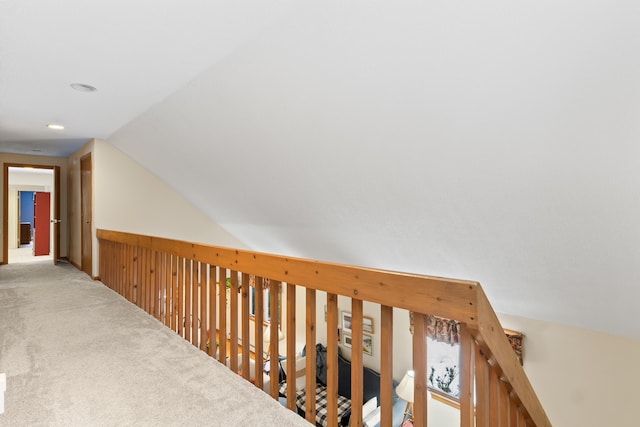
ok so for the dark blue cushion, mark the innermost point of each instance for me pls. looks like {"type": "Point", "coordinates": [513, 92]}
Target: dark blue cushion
{"type": "Point", "coordinates": [370, 385]}
{"type": "Point", "coordinates": [344, 377]}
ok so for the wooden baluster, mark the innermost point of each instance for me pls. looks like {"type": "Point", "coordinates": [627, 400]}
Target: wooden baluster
{"type": "Point", "coordinates": [168, 289]}
{"type": "Point", "coordinates": [274, 353]}
{"type": "Point", "coordinates": [291, 346]}
{"type": "Point", "coordinates": [107, 264]}
{"type": "Point", "coordinates": [245, 329]}
{"type": "Point", "coordinates": [310, 387]}
{"type": "Point", "coordinates": [121, 261]}
{"type": "Point", "coordinates": [233, 322]}
{"type": "Point", "coordinates": [180, 268]}
{"type": "Point", "coordinates": [103, 262]}
{"type": "Point", "coordinates": [522, 421]}
{"type": "Point", "coordinates": [222, 305]}
{"type": "Point", "coordinates": [162, 275]}
{"type": "Point", "coordinates": [202, 301]}
{"type": "Point", "coordinates": [466, 377]}
{"type": "Point", "coordinates": [175, 272]}
{"type": "Point", "coordinates": [259, 328]}
{"type": "Point", "coordinates": [143, 278]}
{"type": "Point", "coordinates": [332, 359]}
{"type": "Point", "coordinates": [504, 404]}
{"type": "Point", "coordinates": [118, 269]}
{"type": "Point", "coordinates": [153, 284]}
{"type": "Point", "coordinates": [127, 272]}
{"type": "Point", "coordinates": [195, 309]}
{"type": "Point", "coordinates": [494, 398]}
{"type": "Point", "coordinates": [111, 268]}
{"type": "Point", "coordinates": [513, 411]}
{"type": "Point", "coordinates": [386, 365]}
{"type": "Point", "coordinates": [144, 282]}
{"type": "Point", "coordinates": [148, 281]}
{"type": "Point", "coordinates": [420, 368]}
{"type": "Point", "coordinates": [212, 310]}
{"type": "Point", "coordinates": [482, 389]}
{"type": "Point", "coordinates": [137, 282]}
{"type": "Point", "coordinates": [114, 267]}
{"type": "Point", "coordinates": [356, 363]}
{"type": "Point", "coordinates": [188, 285]}
{"type": "Point", "coordinates": [108, 258]}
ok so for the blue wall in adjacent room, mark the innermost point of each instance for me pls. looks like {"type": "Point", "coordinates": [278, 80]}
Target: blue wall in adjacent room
{"type": "Point", "coordinates": [26, 207]}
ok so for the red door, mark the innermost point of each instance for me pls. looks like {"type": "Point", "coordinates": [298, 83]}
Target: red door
{"type": "Point", "coordinates": [41, 221]}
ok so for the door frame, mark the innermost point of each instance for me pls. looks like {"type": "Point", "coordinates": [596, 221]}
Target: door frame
{"type": "Point", "coordinates": [86, 260]}
{"type": "Point", "coordinates": [5, 208]}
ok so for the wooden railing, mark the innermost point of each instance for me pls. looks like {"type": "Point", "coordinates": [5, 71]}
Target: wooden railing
{"type": "Point", "coordinates": [181, 284]}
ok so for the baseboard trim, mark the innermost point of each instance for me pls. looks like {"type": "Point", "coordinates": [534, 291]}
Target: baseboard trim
{"type": "Point", "coordinates": [75, 264]}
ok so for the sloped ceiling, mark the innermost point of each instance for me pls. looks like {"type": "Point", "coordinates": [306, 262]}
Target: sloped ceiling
{"type": "Point", "coordinates": [495, 141]}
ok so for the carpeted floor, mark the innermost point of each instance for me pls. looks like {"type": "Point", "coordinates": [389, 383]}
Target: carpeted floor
{"type": "Point", "coordinates": [77, 354]}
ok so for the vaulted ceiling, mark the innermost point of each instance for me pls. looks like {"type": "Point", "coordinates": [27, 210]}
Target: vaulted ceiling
{"type": "Point", "coordinates": [496, 141]}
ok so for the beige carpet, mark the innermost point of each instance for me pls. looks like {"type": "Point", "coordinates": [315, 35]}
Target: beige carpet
{"type": "Point", "coordinates": [77, 354]}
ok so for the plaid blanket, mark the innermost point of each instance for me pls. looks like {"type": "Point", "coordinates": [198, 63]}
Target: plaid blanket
{"type": "Point", "coordinates": [344, 404]}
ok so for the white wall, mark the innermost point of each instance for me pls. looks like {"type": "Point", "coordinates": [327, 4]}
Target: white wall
{"type": "Point", "coordinates": [127, 197]}
{"type": "Point", "coordinates": [583, 378]}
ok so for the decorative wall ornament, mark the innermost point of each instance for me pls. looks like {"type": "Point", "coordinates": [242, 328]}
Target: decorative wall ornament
{"type": "Point", "coordinates": [448, 331]}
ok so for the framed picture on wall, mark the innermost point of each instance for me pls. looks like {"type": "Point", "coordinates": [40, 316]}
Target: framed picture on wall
{"type": "Point", "coordinates": [367, 324]}
{"type": "Point", "coordinates": [346, 340]}
{"type": "Point", "coordinates": [346, 321]}
{"type": "Point", "coordinates": [367, 344]}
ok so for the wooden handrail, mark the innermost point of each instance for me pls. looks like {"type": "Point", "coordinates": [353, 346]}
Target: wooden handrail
{"type": "Point", "coordinates": [151, 270]}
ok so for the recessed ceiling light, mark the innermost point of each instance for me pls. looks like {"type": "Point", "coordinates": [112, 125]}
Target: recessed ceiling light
{"type": "Point", "coordinates": [54, 126]}
{"type": "Point", "coordinates": [83, 87]}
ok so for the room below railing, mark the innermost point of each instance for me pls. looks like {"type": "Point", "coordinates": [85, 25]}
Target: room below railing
{"type": "Point", "coordinates": [184, 285]}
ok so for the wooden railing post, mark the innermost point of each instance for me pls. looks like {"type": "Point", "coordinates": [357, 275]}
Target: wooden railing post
{"type": "Point", "coordinates": [213, 314]}
{"type": "Point", "coordinates": [494, 397]}
{"type": "Point", "coordinates": [386, 365]}
{"type": "Point", "coordinates": [188, 286]}
{"type": "Point", "coordinates": [356, 363]}
{"type": "Point", "coordinates": [274, 304]}
{"type": "Point", "coordinates": [291, 346]}
{"type": "Point", "coordinates": [482, 388]}
{"type": "Point", "coordinates": [245, 329]}
{"type": "Point", "coordinates": [420, 368]}
{"type": "Point", "coordinates": [259, 325]}
{"type": "Point", "coordinates": [332, 359]}
{"type": "Point", "coordinates": [466, 377]}
{"type": "Point", "coordinates": [222, 306]}
{"type": "Point", "coordinates": [310, 387]}
{"type": "Point", "coordinates": [233, 320]}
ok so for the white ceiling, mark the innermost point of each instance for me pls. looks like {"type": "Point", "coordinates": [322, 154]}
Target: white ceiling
{"type": "Point", "coordinates": [495, 141]}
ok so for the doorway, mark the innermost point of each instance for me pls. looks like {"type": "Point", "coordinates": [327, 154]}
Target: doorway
{"type": "Point", "coordinates": [21, 184]}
